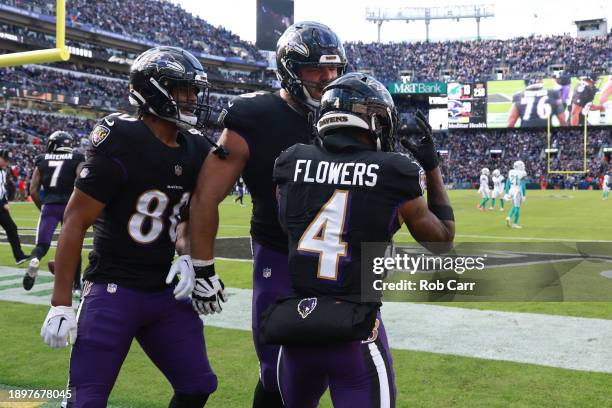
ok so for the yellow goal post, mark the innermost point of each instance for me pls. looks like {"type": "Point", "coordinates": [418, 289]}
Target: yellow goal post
{"type": "Point", "coordinates": [59, 53]}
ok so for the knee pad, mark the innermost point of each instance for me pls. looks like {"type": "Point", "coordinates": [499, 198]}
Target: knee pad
{"type": "Point", "coordinates": [188, 400]}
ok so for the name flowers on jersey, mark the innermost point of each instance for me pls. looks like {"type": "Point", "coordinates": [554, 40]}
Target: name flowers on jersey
{"type": "Point", "coordinates": [348, 174]}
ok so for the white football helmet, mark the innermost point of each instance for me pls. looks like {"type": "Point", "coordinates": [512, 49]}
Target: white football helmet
{"type": "Point", "coordinates": [496, 173]}
{"type": "Point", "coordinates": [484, 171]}
{"type": "Point", "coordinates": [519, 165]}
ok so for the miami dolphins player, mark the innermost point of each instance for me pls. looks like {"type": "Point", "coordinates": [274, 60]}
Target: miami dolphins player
{"type": "Point", "coordinates": [484, 188]}
{"type": "Point", "coordinates": [606, 187]}
{"type": "Point", "coordinates": [515, 188]}
{"type": "Point", "coordinates": [498, 190]}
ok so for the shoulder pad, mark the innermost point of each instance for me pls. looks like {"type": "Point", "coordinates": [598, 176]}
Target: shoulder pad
{"type": "Point", "coordinates": [245, 111]}
{"type": "Point", "coordinates": [110, 131]}
{"type": "Point", "coordinates": [408, 174]}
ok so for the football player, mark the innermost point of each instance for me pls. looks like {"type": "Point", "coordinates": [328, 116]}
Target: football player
{"type": "Point", "coordinates": [483, 189]}
{"type": "Point", "coordinates": [515, 188]}
{"type": "Point", "coordinates": [563, 83]}
{"type": "Point", "coordinates": [535, 105]}
{"type": "Point", "coordinates": [240, 189]}
{"type": "Point", "coordinates": [582, 101]}
{"type": "Point", "coordinates": [498, 190]}
{"type": "Point", "coordinates": [54, 172]}
{"type": "Point", "coordinates": [137, 179]}
{"type": "Point", "coordinates": [258, 126]}
{"type": "Point", "coordinates": [6, 221]}
{"type": "Point", "coordinates": [332, 197]}
{"type": "Point", "coordinates": [606, 187]}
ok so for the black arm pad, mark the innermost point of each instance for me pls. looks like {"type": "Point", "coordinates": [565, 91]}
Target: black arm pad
{"type": "Point", "coordinates": [443, 212]}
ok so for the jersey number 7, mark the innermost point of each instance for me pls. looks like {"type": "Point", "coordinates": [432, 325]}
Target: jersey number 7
{"type": "Point", "coordinates": [323, 236]}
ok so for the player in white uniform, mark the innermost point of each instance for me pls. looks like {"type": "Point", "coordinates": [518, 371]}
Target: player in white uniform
{"type": "Point", "coordinates": [483, 189]}
{"type": "Point", "coordinates": [606, 186]}
{"type": "Point", "coordinates": [498, 189]}
{"type": "Point", "coordinates": [515, 188]}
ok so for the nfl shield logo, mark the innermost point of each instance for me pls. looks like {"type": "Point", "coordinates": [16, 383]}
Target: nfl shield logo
{"type": "Point", "coordinates": [111, 288]}
{"type": "Point", "coordinates": [178, 170]}
{"type": "Point", "coordinates": [267, 272]}
{"type": "Point", "coordinates": [306, 306]}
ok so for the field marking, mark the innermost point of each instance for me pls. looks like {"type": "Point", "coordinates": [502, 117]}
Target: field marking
{"type": "Point", "coordinates": [555, 341]}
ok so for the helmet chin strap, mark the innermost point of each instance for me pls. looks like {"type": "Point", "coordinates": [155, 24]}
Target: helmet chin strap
{"type": "Point", "coordinates": [309, 100]}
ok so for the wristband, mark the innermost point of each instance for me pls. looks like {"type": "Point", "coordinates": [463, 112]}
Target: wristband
{"type": "Point", "coordinates": [443, 212]}
{"type": "Point", "coordinates": [204, 269]}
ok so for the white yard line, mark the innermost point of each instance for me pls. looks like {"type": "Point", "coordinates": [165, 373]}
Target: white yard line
{"type": "Point", "coordinates": [547, 340]}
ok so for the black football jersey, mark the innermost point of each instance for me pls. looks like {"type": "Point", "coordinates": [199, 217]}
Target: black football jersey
{"type": "Point", "coordinates": [332, 201]}
{"type": "Point", "coordinates": [57, 174]}
{"type": "Point", "coordinates": [145, 184]}
{"type": "Point", "coordinates": [583, 94]}
{"type": "Point", "coordinates": [269, 126]}
{"type": "Point", "coordinates": [535, 105]}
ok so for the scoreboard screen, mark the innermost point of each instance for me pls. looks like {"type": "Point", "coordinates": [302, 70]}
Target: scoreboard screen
{"type": "Point", "coordinates": [467, 105]}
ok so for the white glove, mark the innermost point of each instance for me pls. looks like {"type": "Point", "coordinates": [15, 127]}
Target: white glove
{"type": "Point", "coordinates": [183, 266]}
{"type": "Point", "coordinates": [58, 325]}
{"type": "Point", "coordinates": [587, 108]}
{"type": "Point", "coordinates": [209, 290]}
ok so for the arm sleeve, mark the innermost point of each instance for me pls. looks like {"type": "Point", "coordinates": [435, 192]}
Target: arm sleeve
{"type": "Point", "coordinates": [523, 187]}
{"type": "Point", "coordinates": [101, 178]}
{"type": "Point", "coordinates": [507, 185]}
{"type": "Point", "coordinates": [406, 177]}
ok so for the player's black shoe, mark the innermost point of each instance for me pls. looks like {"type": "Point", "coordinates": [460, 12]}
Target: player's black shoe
{"type": "Point", "coordinates": [22, 260]}
{"type": "Point", "coordinates": [30, 276]}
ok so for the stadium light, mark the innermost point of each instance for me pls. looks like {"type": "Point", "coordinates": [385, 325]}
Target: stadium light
{"type": "Point", "coordinates": [476, 11]}
{"type": "Point", "coordinates": [59, 53]}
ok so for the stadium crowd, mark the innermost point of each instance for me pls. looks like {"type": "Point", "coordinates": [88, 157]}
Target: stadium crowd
{"type": "Point", "coordinates": [152, 20]}
{"type": "Point", "coordinates": [470, 150]}
{"type": "Point", "coordinates": [477, 60]}
{"type": "Point", "coordinates": [23, 134]}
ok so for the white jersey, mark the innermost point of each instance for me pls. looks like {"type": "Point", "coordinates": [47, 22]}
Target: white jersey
{"type": "Point", "coordinates": [484, 182]}
{"type": "Point", "coordinates": [498, 182]}
{"type": "Point", "coordinates": [516, 177]}
{"type": "Point", "coordinates": [606, 180]}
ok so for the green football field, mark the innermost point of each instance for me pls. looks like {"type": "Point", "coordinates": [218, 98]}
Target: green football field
{"type": "Point", "coordinates": [424, 378]}
{"type": "Point", "coordinates": [500, 94]}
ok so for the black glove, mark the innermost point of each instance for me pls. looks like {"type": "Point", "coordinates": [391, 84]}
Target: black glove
{"type": "Point", "coordinates": [420, 143]}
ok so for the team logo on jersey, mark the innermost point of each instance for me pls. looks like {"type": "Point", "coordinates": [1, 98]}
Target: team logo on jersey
{"type": "Point", "coordinates": [98, 135]}
{"type": "Point", "coordinates": [306, 306]}
{"type": "Point", "coordinates": [374, 334]}
{"type": "Point", "coordinates": [84, 173]}
{"type": "Point", "coordinates": [267, 272]}
{"type": "Point", "coordinates": [111, 288]}
{"type": "Point", "coordinates": [178, 170]}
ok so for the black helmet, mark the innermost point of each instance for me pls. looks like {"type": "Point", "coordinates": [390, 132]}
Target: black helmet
{"type": "Point", "coordinates": [306, 44]}
{"type": "Point", "coordinates": [154, 75]}
{"type": "Point", "coordinates": [359, 100]}
{"type": "Point", "coordinates": [60, 141]}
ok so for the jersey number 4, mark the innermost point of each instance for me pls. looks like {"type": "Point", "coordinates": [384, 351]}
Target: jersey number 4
{"type": "Point", "coordinates": [151, 206]}
{"type": "Point", "coordinates": [324, 235]}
